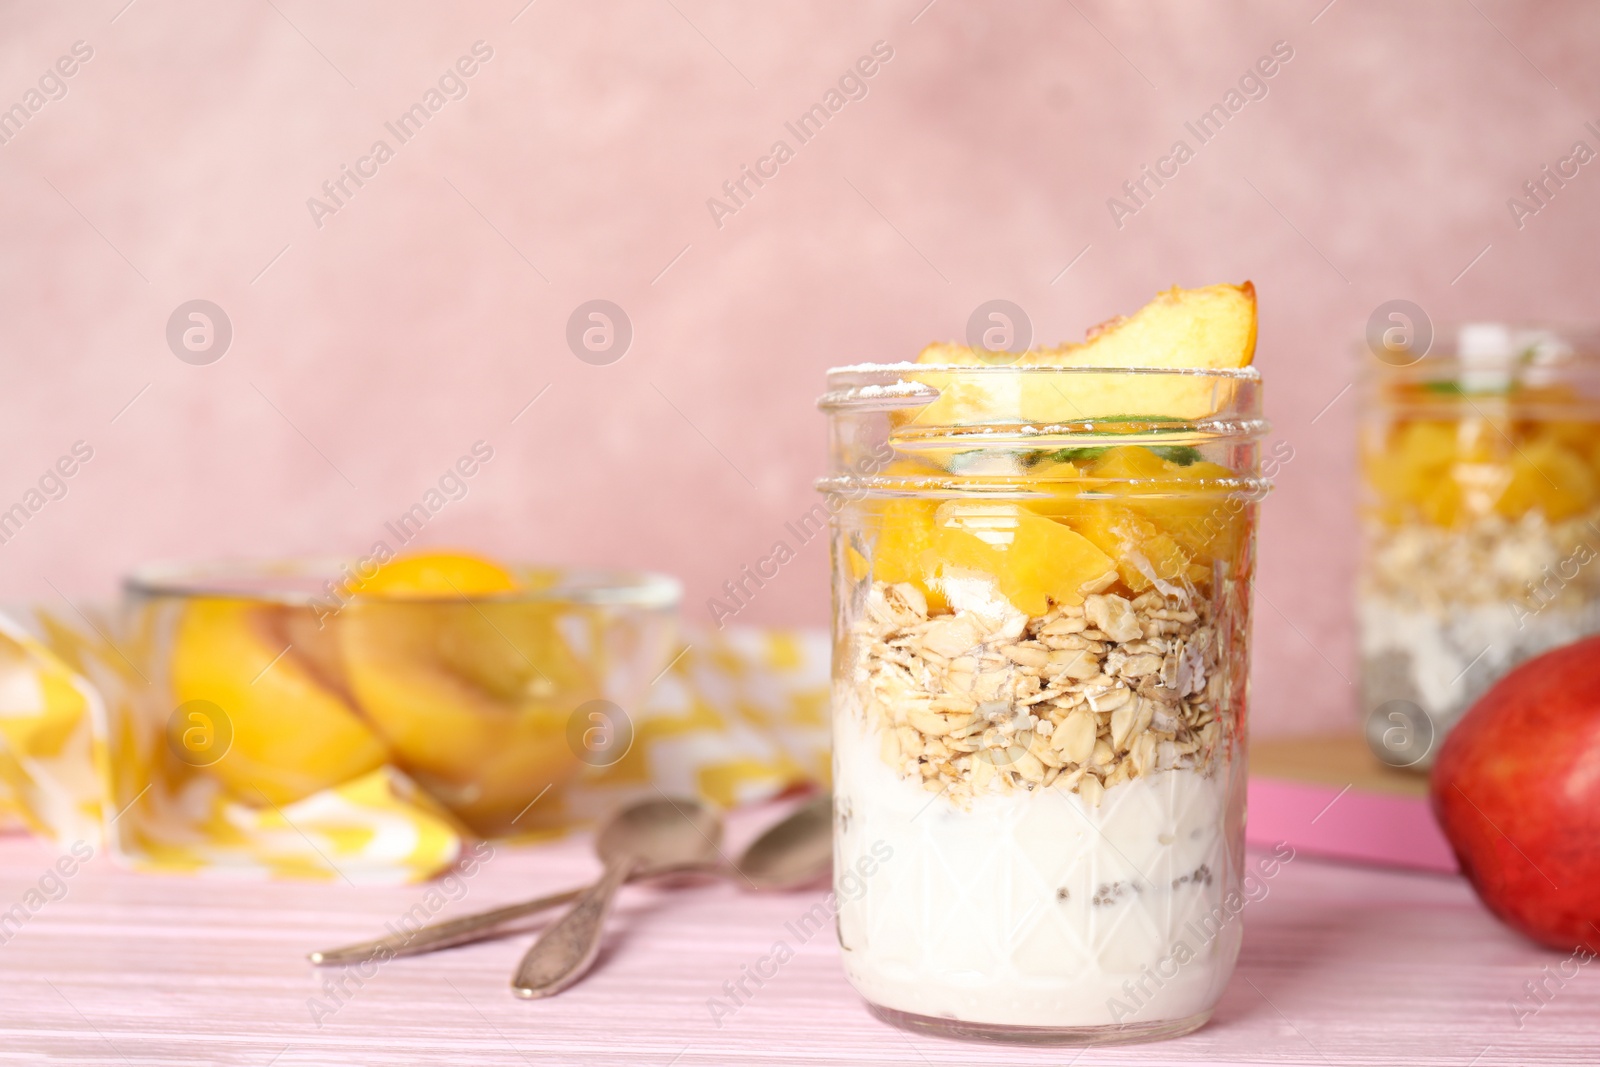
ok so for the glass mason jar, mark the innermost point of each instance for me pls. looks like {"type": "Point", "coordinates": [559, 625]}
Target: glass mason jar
{"type": "Point", "coordinates": [1481, 493]}
{"type": "Point", "coordinates": [1041, 652]}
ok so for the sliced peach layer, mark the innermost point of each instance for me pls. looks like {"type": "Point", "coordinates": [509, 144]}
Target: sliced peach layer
{"type": "Point", "coordinates": [1451, 472]}
{"type": "Point", "coordinates": [1128, 515]}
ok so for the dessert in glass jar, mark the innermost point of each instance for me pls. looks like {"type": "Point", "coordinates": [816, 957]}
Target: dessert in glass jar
{"type": "Point", "coordinates": [1481, 521]}
{"type": "Point", "coordinates": [1041, 567]}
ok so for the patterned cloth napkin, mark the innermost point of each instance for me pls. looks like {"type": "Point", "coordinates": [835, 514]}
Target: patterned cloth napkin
{"type": "Point", "coordinates": [740, 716]}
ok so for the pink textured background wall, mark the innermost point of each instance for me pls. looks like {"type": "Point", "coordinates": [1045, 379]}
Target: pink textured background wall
{"type": "Point", "coordinates": [424, 314]}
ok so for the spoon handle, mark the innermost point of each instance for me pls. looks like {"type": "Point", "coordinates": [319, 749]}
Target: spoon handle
{"type": "Point", "coordinates": [467, 928]}
{"type": "Point", "coordinates": [566, 949]}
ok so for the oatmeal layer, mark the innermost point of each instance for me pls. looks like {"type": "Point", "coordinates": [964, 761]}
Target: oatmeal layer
{"type": "Point", "coordinates": [986, 698]}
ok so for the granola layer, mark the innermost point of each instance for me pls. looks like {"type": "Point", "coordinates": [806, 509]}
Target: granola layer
{"type": "Point", "coordinates": [1526, 563]}
{"type": "Point", "coordinates": [987, 699]}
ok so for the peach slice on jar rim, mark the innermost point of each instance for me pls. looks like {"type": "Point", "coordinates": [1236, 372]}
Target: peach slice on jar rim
{"type": "Point", "coordinates": [1210, 328]}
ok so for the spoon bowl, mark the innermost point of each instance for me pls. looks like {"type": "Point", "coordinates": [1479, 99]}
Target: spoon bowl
{"type": "Point", "coordinates": [795, 851]}
{"type": "Point", "coordinates": [662, 835]}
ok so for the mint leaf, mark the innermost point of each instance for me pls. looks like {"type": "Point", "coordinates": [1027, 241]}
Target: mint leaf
{"type": "Point", "coordinates": [1182, 455]}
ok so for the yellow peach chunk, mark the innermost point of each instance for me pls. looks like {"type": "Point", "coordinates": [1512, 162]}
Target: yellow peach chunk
{"type": "Point", "coordinates": [1441, 470]}
{"type": "Point", "coordinates": [1177, 500]}
{"type": "Point", "coordinates": [438, 574]}
{"type": "Point", "coordinates": [295, 729]}
{"type": "Point", "coordinates": [1055, 485]}
{"type": "Point", "coordinates": [1054, 470]}
{"type": "Point", "coordinates": [903, 550]}
{"type": "Point", "coordinates": [474, 698]}
{"type": "Point", "coordinates": [1549, 478]}
{"type": "Point", "coordinates": [1145, 556]}
{"type": "Point", "coordinates": [1423, 453]}
{"type": "Point", "coordinates": [1430, 445]}
{"type": "Point", "coordinates": [1443, 503]}
{"type": "Point", "coordinates": [857, 563]}
{"type": "Point", "coordinates": [1206, 521]}
{"type": "Point", "coordinates": [1032, 560]}
{"type": "Point", "coordinates": [1129, 462]}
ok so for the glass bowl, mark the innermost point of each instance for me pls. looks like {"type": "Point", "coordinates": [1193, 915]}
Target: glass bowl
{"type": "Point", "coordinates": [274, 681]}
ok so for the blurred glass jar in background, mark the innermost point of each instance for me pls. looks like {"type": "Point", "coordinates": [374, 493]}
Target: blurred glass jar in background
{"type": "Point", "coordinates": [1480, 468]}
{"type": "Point", "coordinates": [477, 693]}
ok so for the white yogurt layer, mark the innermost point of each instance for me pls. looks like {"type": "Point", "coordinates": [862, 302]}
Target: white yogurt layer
{"type": "Point", "coordinates": [1445, 660]}
{"type": "Point", "coordinates": [1034, 908]}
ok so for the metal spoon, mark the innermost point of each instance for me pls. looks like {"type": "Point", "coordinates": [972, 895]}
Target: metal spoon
{"type": "Point", "coordinates": [793, 852]}
{"type": "Point", "coordinates": [664, 833]}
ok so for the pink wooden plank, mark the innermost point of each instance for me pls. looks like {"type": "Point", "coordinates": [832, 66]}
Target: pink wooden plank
{"type": "Point", "coordinates": [1341, 965]}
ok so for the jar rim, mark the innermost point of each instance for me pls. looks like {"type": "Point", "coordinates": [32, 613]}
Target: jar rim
{"type": "Point", "coordinates": [1021, 488]}
{"type": "Point", "coordinates": [298, 582]}
{"type": "Point", "coordinates": [1482, 347]}
{"type": "Point", "coordinates": [1212, 397]}
{"type": "Point", "coordinates": [1248, 373]}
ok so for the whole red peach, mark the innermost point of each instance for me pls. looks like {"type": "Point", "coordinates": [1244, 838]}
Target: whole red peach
{"type": "Point", "coordinates": [1516, 788]}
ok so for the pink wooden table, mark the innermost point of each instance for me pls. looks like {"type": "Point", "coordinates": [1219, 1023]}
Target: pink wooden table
{"type": "Point", "coordinates": [1341, 965]}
